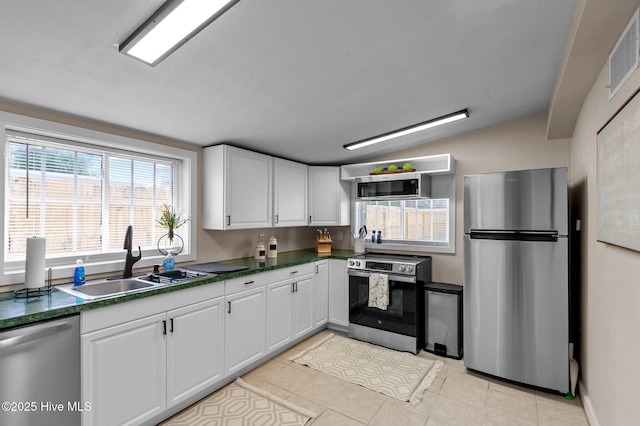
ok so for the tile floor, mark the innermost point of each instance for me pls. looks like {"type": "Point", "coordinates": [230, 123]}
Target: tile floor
{"type": "Point", "coordinates": [457, 397]}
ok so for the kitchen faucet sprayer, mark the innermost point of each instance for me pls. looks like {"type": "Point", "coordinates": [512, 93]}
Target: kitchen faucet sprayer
{"type": "Point", "coordinates": [130, 259]}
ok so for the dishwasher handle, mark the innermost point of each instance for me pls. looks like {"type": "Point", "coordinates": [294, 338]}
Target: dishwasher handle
{"type": "Point", "coordinates": [31, 335]}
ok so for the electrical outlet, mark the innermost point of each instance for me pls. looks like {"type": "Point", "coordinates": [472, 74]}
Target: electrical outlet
{"type": "Point", "coordinates": [339, 235]}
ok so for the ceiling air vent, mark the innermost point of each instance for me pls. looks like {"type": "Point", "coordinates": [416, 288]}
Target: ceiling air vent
{"type": "Point", "coordinates": [623, 60]}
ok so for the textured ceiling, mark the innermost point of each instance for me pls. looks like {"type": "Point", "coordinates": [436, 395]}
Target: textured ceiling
{"type": "Point", "coordinates": [298, 79]}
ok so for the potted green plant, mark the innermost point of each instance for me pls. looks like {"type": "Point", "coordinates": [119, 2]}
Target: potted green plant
{"type": "Point", "coordinates": [171, 220]}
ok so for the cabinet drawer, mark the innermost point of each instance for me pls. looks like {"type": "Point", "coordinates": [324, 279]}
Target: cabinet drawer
{"type": "Point", "coordinates": [292, 272]}
{"type": "Point", "coordinates": [244, 283]}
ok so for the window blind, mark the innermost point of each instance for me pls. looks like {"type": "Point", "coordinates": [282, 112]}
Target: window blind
{"type": "Point", "coordinates": [423, 221]}
{"type": "Point", "coordinates": [82, 197]}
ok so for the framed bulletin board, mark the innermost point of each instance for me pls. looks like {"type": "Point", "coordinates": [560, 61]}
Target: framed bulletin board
{"type": "Point", "coordinates": [619, 177]}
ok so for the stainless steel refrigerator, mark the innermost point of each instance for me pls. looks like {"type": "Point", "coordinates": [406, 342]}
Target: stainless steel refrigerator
{"type": "Point", "coordinates": [516, 290]}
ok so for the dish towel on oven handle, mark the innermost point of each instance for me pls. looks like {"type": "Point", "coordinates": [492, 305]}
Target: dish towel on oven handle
{"type": "Point", "coordinates": [379, 291]}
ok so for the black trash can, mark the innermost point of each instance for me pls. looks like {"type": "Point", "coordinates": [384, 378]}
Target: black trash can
{"type": "Point", "coordinates": [443, 319]}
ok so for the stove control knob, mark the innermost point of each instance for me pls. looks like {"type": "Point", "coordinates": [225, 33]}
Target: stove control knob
{"type": "Point", "coordinates": [351, 263]}
{"type": "Point", "coordinates": [401, 268]}
{"type": "Point", "coordinates": [409, 268]}
{"type": "Point", "coordinates": [357, 263]}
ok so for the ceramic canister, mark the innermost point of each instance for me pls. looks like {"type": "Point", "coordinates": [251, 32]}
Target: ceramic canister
{"type": "Point", "coordinates": [272, 251]}
{"type": "Point", "coordinates": [260, 251]}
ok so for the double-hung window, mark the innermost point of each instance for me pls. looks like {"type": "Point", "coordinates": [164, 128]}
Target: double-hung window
{"type": "Point", "coordinates": [81, 195]}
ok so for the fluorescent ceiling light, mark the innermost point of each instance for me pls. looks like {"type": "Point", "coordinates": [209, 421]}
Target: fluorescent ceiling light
{"type": "Point", "coordinates": [409, 130]}
{"type": "Point", "coordinates": [171, 26]}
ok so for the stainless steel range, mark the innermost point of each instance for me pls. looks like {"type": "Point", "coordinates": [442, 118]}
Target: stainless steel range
{"type": "Point", "coordinates": [397, 322]}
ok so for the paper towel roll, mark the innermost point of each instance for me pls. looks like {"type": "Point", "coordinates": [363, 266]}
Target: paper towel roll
{"type": "Point", "coordinates": [34, 272]}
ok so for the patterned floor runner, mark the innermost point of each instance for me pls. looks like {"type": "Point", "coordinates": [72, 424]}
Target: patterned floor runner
{"type": "Point", "coordinates": [397, 374]}
{"type": "Point", "coordinates": [241, 404]}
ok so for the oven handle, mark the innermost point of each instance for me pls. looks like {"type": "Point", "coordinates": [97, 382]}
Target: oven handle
{"type": "Point", "coordinates": [400, 278]}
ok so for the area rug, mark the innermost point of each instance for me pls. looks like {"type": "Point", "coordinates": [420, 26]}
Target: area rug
{"type": "Point", "coordinates": [400, 375]}
{"type": "Point", "coordinates": [240, 404]}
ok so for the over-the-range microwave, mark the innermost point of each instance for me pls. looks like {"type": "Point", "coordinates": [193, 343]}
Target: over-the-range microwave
{"type": "Point", "coordinates": [393, 186]}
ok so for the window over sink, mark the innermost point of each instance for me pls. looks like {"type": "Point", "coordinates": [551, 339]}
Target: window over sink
{"type": "Point", "coordinates": [80, 189]}
{"type": "Point", "coordinates": [423, 224]}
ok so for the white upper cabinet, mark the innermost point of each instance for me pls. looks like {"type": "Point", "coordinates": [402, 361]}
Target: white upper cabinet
{"type": "Point", "coordinates": [329, 197]}
{"type": "Point", "coordinates": [237, 190]}
{"type": "Point", "coordinates": [247, 190]}
{"type": "Point", "coordinates": [290, 199]}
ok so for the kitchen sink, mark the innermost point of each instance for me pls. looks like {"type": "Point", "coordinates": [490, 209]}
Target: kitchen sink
{"type": "Point", "coordinates": [112, 287]}
{"type": "Point", "coordinates": [109, 287]}
{"type": "Point", "coordinates": [106, 288]}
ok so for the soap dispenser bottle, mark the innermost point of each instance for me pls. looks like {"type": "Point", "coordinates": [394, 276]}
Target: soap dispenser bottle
{"type": "Point", "coordinates": [169, 262]}
{"type": "Point", "coordinates": [78, 274]}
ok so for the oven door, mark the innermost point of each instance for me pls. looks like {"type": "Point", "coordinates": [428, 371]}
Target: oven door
{"type": "Point", "coordinates": [401, 316]}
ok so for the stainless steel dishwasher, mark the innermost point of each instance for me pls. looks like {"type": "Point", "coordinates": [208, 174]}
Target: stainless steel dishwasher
{"type": "Point", "coordinates": [40, 374]}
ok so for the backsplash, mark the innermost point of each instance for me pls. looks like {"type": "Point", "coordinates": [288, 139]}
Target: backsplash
{"type": "Point", "coordinates": [224, 245]}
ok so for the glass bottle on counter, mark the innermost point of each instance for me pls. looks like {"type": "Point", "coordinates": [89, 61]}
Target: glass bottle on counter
{"type": "Point", "coordinates": [379, 238]}
{"type": "Point", "coordinates": [373, 236]}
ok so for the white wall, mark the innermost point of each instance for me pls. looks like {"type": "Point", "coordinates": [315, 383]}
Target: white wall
{"type": "Point", "coordinates": [610, 286]}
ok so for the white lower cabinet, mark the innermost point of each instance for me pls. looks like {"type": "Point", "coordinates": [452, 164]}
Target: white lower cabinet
{"type": "Point", "coordinates": [136, 370]}
{"type": "Point", "coordinates": [244, 328]}
{"type": "Point", "coordinates": [124, 372]}
{"type": "Point", "coordinates": [141, 358]}
{"type": "Point", "coordinates": [279, 314]}
{"type": "Point", "coordinates": [195, 349]}
{"type": "Point", "coordinates": [302, 306]}
{"type": "Point", "coordinates": [289, 305]}
{"type": "Point", "coordinates": [321, 294]}
{"type": "Point", "coordinates": [338, 293]}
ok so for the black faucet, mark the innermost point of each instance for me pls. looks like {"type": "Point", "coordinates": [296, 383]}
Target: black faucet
{"type": "Point", "coordinates": [130, 259]}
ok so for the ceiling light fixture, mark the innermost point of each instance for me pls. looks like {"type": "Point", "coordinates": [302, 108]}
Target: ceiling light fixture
{"type": "Point", "coordinates": [409, 130]}
{"type": "Point", "coordinates": [171, 26]}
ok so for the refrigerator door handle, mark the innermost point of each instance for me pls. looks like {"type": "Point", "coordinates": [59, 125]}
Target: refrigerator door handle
{"type": "Point", "coordinates": [544, 236]}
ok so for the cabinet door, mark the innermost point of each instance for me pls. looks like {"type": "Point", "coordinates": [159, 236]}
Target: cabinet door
{"type": "Point", "coordinates": [290, 188]}
{"type": "Point", "coordinates": [195, 349]}
{"type": "Point", "coordinates": [338, 293]}
{"type": "Point", "coordinates": [124, 372]}
{"type": "Point", "coordinates": [321, 294]}
{"type": "Point", "coordinates": [302, 305]}
{"type": "Point", "coordinates": [329, 202]}
{"type": "Point", "coordinates": [248, 189]}
{"type": "Point", "coordinates": [279, 314]}
{"type": "Point", "coordinates": [244, 329]}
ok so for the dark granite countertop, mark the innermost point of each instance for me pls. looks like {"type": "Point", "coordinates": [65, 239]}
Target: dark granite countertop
{"type": "Point", "coordinates": [15, 312]}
